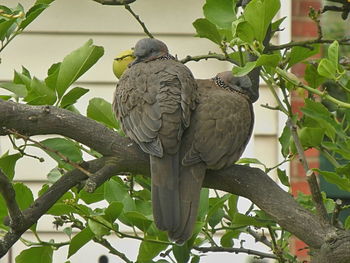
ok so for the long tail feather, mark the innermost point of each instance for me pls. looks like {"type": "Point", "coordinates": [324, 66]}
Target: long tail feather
{"type": "Point", "coordinates": [191, 179]}
{"type": "Point", "coordinates": [165, 191]}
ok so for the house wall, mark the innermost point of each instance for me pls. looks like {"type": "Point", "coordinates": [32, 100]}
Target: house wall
{"type": "Point", "coordinates": [65, 26]}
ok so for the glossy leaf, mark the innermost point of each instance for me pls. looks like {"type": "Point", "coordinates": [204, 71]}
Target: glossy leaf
{"type": "Point", "coordinates": [18, 89]}
{"type": "Point", "coordinates": [59, 209]}
{"type": "Point", "coordinates": [8, 163]}
{"type": "Point", "coordinates": [5, 25]}
{"type": "Point", "coordinates": [326, 68]}
{"type": "Point", "coordinates": [313, 78]}
{"type": "Point", "coordinates": [203, 203]}
{"type": "Point", "coordinates": [24, 195]}
{"type": "Point", "coordinates": [149, 250]}
{"type": "Point", "coordinates": [311, 137]}
{"type": "Point", "coordinates": [206, 29]}
{"type": "Point", "coordinates": [100, 110]}
{"type": "Point", "coordinates": [299, 54]}
{"type": "Point", "coordinates": [259, 14]}
{"type": "Point", "coordinates": [97, 228]}
{"type": "Point", "coordinates": [227, 239]}
{"type": "Point", "coordinates": [39, 93]}
{"type": "Point", "coordinates": [139, 220]}
{"type": "Point", "coordinates": [181, 253]}
{"type": "Point", "coordinates": [72, 96]}
{"type": "Point", "coordinates": [284, 140]}
{"type": "Point", "coordinates": [220, 12]}
{"type": "Point", "coordinates": [36, 255]}
{"type": "Point", "coordinates": [333, 178]}
{"type": "Point", "coordinates": [65, 147]}
{"type": "Point", "coordinates": [333, 53]}
{"type": "Point", "coordinates": [32, 14]}
{"type": "Point", "coordinates": [282, 175]}
{"type": "Point", "coordinates": [244, 220]}
{"type": "Point", "coordinates": [79, 240]}
{"type": "Point", "coordinates": [76, 64]}
{"type": "Point", "coordinates": [113, 211]}
{"type": "Point", "coordinates": [244, 31]}
{"type": "Point", "coordinates": [90, 198]}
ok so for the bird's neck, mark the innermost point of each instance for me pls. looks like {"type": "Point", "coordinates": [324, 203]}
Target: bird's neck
{"type": "Point", "coordinates": [221, 84]}
{"type": "Point", "coordinates": [166, 57]}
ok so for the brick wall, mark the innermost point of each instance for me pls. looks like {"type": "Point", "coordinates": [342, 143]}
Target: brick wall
{"type": "Point", "coordinates": [302, 28]}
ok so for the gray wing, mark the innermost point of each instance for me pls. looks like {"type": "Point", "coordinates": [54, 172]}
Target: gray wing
{"type": "Point", "coordinates": [220, 127]}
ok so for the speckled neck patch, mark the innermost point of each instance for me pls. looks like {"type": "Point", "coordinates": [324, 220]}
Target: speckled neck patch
{"type": "Point", "coordinates": [220, 83]}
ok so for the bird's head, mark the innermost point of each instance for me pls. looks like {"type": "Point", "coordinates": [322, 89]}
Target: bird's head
{"type": "Point", "coordinates": [148, 49]}
{"type": "Point", "coordinates": [240, 84]}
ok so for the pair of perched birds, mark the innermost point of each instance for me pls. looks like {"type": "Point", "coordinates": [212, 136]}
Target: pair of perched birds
{"type": "Point", "coordinates": [185, 125]}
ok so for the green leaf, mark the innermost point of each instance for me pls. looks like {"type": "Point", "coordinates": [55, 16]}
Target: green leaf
{"type": "Point", "coordinates": [232, 205]}
{"type": "Point", "coordinates": [242, 71]}
{"type": "Point", "coordinates": [59, 209]}
{"type": "Point", "coordinates": [181, 253]}
{"type": "Point", "coordinates": [299, 54]}
{"type": "Point", "coordinates": [311, 137]}
{"type": "Point", "coordinates": [284, 140]}
{"type": "Point", "coordinates": [32, 14]}
{"type": "Point", "coordinates": [148, 250]}
{"type": "Point", "coordinates": [275, 26]}
{"type": "Point", "coordinates": [347, 223]}
{"type": "Point", "coordinates": [47, 2]}
{"type": "Point", "coordinates": [220, 12]}
{"type": "Point", "coordinates": [8, 163]}
{"type": "Point", "coordinates": [244, 31]}
{"type": "Point", "coordinates": [36, 255]}
{"type": "Point", "coordinates": [249, 161]}
{"type": "Point", "coordinates": [259, 14]}
{"type": "Point", "coordinates": [97, 228]}
{"type": "Point", "coordinates": [139, 220]}
{"type": "Point", "coordinates": [66, 148]}
{"type": "Point", "coordinates": [312, 77]}
{"type": "Point", "coordinates": [79, 240]}
{"type": "Point", "coordinates": [5, 25]}
{"type": "Point", "coordinates": [52, 74]}
{"type": "Point", "coordinates": [24, 195]}
{"type": "Point", "coordinates": [203, 203]}
{"type": "Point", "coordinates": [115, 190]}
{"type": "Point", "coordinates": [113, 211]}
{"type": "Point", "coordinates": [333, 178]}
{"type": "Point", "coordinates": [227, 239]}
{"type": "Point", "coordinates": [243, 220]}
{"type": "Point", "coordinates": [216, 204]}
{"type": "Point", "coordinates": [76, 64]}
{"type": "Point", "coordinates": [39, 93]}
{"type": "Point", "coordinates": [282, 175]}
{"type": "Point", "coordinates": [327, 69]}
{"type": "Point", "coordinates": [333, 53]}
{"type": "Point", "coordinates": [100, 110]}
{"type": "Point", "coordinates": [206, 29]}
{"type": "Point", "coordinates": [90, 198]}
{"type": "Point", "coordinates": [72, 96]}
{"type": "Point", "coordinates": [18, 89]}
{"type": "Point", "coordinates": [268, 60]}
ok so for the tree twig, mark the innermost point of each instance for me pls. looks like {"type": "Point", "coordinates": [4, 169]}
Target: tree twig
{"type": "Point", "coordinates": [9, 195]}
{"type": "Point", "coordinates": [235, 250]}
{"type": "Point", "coordinates": [48, 149]}
{"type": "Point", "coordinates": [114, 2]}
{"type": "Point", "coordinates": [311, 177]}
{"type": "Point", "coordinates": [137, 17]}
{"type": "Point", "coordinates": [308, 43]}
{"type": "Point", "coordinates": [220, 57]}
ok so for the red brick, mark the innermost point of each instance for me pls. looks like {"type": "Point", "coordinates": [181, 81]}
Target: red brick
{"type": "Point", "coordinates": [312, 152]}
{"type": "Point", "coordinates": [300, 187]}
{"type": "Point", "coordinates": [304, 28]}
{"type": "Point", "coordinates": [295, 7]}
{"type": "Point", "coordinates": [299, 248]}
{"type": "Point", "coordinates": [299, 69]}
{"type": "Point", "coordinates": [301, 171]}
{"type": "Point", "coordinates": [304, 7]}
{"type": "Point", "coordinates": [296, 106]}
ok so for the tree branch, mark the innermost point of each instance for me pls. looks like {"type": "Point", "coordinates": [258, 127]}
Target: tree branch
{"type": "Point", "coordinates": [137, 17]}
{"type": "Point", "coordinates": [114, 2]}
{"type": "Point", "coordinates": [235, 250]}
{"type": "Point", "coordinates": [8, 192]}
{"type": "Point", "coordinates": [248, 182]}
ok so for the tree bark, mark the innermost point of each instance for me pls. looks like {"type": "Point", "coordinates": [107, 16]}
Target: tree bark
{"type": "Point", "coordinates": [328, 243]}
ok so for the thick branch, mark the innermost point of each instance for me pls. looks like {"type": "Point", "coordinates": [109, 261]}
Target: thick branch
{"type": "Point", "coordinates": [236, 251]}
{"type": "Point", "coordinates": [251, 183]}
{"type": "Point", "coordinates": [9, 195]}
{"type": "Point", "coordinates": [114, 2]}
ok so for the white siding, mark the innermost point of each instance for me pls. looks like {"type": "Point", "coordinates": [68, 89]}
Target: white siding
{"type": "Point", "coordinates": [66, 25]}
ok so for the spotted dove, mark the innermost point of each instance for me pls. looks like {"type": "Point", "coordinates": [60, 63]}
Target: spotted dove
{"type": "Point", "coordinates": [186, 126]}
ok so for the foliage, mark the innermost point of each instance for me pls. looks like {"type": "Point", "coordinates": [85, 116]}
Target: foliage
{"type": "Point", "coordinates": [324, 125]}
